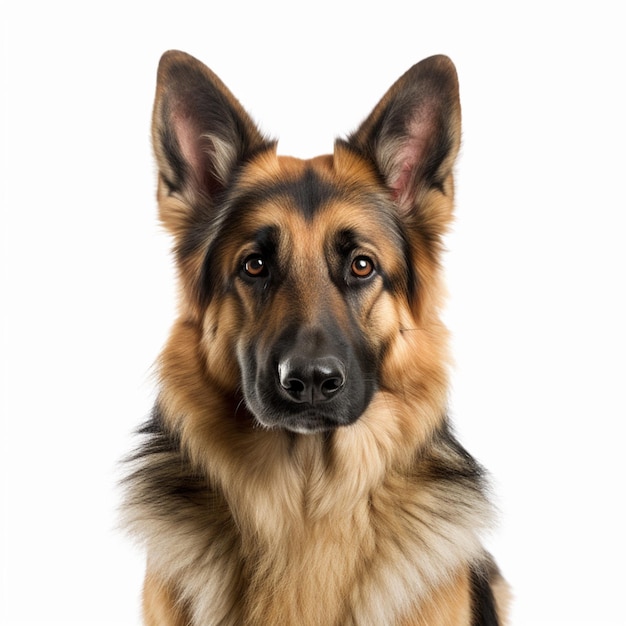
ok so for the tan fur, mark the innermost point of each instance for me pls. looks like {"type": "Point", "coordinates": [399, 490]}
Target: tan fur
{"type": "Point", "coordinates": [503, 596]}
{"type": "Point", "coordinates": [356, 527]}
{"type": "Point", "coordinates": [160, 605]}
{"type": "Point", "coordinates": [449, 605]}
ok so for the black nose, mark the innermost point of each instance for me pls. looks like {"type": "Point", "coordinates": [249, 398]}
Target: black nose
{"type": "Point", "coordinates": [311, 380]}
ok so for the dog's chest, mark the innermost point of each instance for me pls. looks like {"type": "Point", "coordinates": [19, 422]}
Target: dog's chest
{"type": "Point", "coordinates": [367, 566]}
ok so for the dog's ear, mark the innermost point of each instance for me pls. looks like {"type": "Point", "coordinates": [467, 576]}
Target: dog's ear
{"type": "Point", "coordinates": [413, 134]}
{"type": "Point", "coordinates": [200, 132]}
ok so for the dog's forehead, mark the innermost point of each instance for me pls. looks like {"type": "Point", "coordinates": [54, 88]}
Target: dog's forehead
{"type": "Point", "coordinates": [315, 196]}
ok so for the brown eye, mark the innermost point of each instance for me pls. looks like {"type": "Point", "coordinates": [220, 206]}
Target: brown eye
{"type": "Point", "coordinates": [254, 266]}
{"type": "Point", "coordinates": [362, 267]}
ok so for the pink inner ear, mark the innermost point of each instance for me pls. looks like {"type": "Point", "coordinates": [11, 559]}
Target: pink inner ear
{"type": "Point", "coordinates": [403, 177]}
{"type": "Point", "coordinates": [189, 143]}
{"type": "Point", "coordinates": [410, 156]}
{"type": "Point", "coordinates": [408, 160]}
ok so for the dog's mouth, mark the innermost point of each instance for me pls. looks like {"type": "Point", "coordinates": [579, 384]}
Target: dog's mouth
{"type": "Point", "coordinates": [303, 419]}
{"type": "Point", "coordinates": [308, 421]}
{"type": "Point", "coordinates": [304, 423]}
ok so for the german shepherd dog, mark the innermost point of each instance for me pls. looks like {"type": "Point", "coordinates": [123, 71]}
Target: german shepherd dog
{"type": "Point", "coordinates": [299, 466]}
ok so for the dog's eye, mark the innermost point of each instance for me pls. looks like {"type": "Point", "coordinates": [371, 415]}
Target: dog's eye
{"type": "Point", "coordinates": [362, 267]}
{"type": "Point", "coordinates": [255, 267]}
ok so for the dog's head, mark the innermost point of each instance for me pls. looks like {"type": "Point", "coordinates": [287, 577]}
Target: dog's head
{"type": "Point", "coordinates": [313, 283]}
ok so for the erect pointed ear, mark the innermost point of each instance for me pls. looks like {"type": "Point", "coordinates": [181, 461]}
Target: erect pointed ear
{"type": "Point", "coordinates": [200, 132]}
{"type": "Point", "coordinates": [413, 134]}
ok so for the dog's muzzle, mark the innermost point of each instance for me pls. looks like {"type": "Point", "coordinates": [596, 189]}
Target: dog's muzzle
{"type": "Point", "coordinates": [312, 380]}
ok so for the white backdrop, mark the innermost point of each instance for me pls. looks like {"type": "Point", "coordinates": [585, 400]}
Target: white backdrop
{"type": "Point", "coordinates": [535, 267]}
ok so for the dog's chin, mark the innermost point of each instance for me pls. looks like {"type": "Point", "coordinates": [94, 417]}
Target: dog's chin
{"type": "Point", "coordinates": [308, 423]}
{"type": "Point", "coordinates": [298, 428]}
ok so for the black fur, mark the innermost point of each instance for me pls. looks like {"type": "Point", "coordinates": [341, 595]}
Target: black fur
{"type": "Point", "coordinates": [483, 602]}
{"type": "Point", "coordinates": [172, 481]}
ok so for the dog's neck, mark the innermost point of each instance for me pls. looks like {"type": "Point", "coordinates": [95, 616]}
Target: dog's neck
{"type": "Point", "coordinates": [293, 504]}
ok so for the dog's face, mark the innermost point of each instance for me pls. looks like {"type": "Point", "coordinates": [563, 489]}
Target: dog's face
{"type": "Point", "coordinates": [304, 275]}
{"type": "Point", "coordinates": [306, 263]}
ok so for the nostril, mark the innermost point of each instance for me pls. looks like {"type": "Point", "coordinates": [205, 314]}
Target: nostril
{"type": "Point", "coordinates": [331, 386]}
{"type": "Point", "coordinates": [293, 385]}
{"type": "Point", "coordinates": [330, 377]}
{"type": "Point", "coordinates": [289, 382]}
